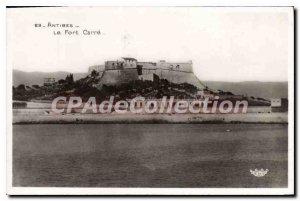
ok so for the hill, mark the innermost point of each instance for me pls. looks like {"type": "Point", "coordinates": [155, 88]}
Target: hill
{"type": "Point", "coordinates": [252, 88]}
{"type": "Point", "coordinates": [31, 78]}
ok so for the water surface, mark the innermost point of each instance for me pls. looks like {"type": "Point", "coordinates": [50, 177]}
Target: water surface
{"type": "Point", "coordinates": [149, 155]}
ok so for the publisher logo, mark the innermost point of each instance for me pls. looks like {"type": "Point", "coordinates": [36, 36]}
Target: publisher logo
{"type": "Point", "coordinates": [259, 173]}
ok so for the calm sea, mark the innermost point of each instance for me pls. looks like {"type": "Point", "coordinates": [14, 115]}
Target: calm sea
{"type": "Point", "coordinates": [149, 155]}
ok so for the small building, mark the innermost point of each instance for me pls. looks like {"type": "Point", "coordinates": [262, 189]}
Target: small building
{"type": "Point", "coordinates": [279, 105]}
{"type": "Point", "coordinates": [19, 104]}
{"type": "Point", "coordinates": [48, 81]}
{"type": "Point", "coordinates": [200, 93]}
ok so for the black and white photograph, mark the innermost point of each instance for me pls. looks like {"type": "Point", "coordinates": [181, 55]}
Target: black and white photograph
{"type": "Point", "coordinates": [150, 100]}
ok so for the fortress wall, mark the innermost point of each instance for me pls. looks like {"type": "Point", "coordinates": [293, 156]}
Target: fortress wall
{"type": "Point", "coordinates": [181, 77]}
{"type": "Point", "coordinates": [175, 76]}
{"type": "Point", "coordinates": [115, 77]}
{"type": "Point", "coordinates": [96, 68]}
{"type": "Point", "coordinates": [181, 66]}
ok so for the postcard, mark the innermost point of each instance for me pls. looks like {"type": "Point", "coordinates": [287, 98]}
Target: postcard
{"type": "Point", "coordinates": [150, 100]}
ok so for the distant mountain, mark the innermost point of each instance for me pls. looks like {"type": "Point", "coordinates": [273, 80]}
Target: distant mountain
{"type": "Point", "coordinates": [30, 78]}
{"type": "Point", "coordinates": [266, 90]}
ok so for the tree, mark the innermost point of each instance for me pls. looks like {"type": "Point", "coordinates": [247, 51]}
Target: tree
{"type": "Point", "coordinates": [36, 86]}
{"type": "Point", "coordinates": [21, 87]}
{"type": "Point", "coordinates": [70, 79]}
{"type": "Point", "coordinates": [94, 73]}
{"type": "Point", "coordinates": [61, 81]}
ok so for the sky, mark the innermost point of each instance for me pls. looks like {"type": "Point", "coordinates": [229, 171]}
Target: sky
{"type": "Point", "coordinates": [224, 44]}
